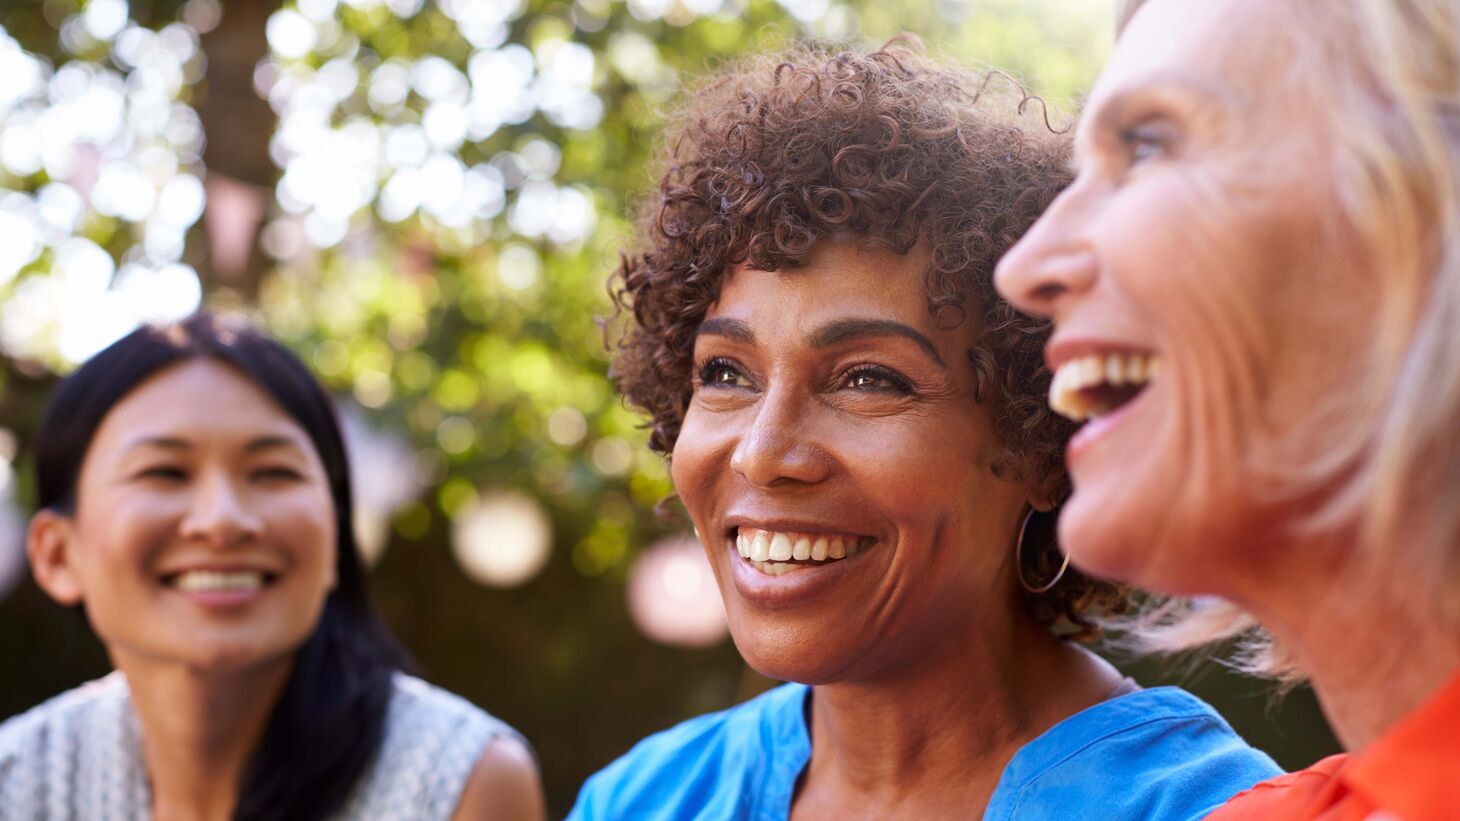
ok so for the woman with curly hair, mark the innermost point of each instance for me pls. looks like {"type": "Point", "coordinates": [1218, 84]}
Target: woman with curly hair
{"type": "Point", "coordinates": [856, 426]}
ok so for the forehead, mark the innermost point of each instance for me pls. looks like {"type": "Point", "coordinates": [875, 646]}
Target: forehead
{"type": "Point", "coordinates": [1225, 48]}
{"type": "Point", "coordinates": [199, 398]}
{"type": "Point", "coordinates": [839, 277]}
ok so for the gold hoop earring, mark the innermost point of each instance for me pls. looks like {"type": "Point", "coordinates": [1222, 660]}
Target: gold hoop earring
{"type": "Point", "coordinates": [1019, 561]}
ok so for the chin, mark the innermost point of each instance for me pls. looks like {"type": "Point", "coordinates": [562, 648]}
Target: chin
{"type": "Point", "coordinates": [233, 655]}
{"type": "Point", "coordinates": [1099, 538]}
{"type": "Point", "coordinates": [1145, 540]}
{"type": "Point", "coordinates": [777, 655]}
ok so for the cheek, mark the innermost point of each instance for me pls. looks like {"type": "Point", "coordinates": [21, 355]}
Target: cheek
{"type": "Point", "coordinates": [1223, 277]}
{"type": "Point", "coordinates": [304, 525]}
{"type": "Point", "coordinates": [701, 455]}
{"type": "Point", "coordinates": [121, 533]}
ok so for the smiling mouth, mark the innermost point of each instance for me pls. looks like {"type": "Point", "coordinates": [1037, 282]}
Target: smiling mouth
{"type": "Point", "coordinates": [775, 553]}
{"type": "Point", "coordinates": [210, 581]}
{"type": "Point", "coordinates": [1092, 386]}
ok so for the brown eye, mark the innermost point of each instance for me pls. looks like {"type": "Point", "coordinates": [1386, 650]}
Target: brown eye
{"type": "Point", "coordinates": [877, 379]}
{"type": "Point", "coordinates": [722, 373]}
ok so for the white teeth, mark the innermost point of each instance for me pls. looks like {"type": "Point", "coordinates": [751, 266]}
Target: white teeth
{"type": "Point", "coordinates": [775, 568]}
{"type": "Point", "coordinates": [773, 552]}
{"type": "Point", "coordinates": [760, 547]}
{"type": "Point", "coordinates": [1112, 369]}
{"type": "Point", "coordinates": [208, 580]}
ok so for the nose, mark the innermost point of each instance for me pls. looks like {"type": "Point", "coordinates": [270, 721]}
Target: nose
{"type": "Point", "coordinates": [776, 449]}
{"type": "Point", "coordinates": [218, 515]}
{"type": "Point", "coordinates": [1054, 263]}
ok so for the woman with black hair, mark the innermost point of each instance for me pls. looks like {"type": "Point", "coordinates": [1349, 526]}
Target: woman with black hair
{"type": "Point", "coordinates": [195, 502]}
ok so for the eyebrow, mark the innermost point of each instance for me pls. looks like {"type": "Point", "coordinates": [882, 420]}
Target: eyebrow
{"type": "Point", "coordinates": [842, 330]}
{"type": "Point", "coordinates": [832, 333]}
{"type": "Point", "coordinates": [1161, 85]}
{"type": "Point", "coordinates": [164, 442]}
{"type": "Point", "coordinates": [732, 329]}
{"type": "Point", "coordinates": [270, 443]}
{"type": "Point", "coordinates": [175, 443]}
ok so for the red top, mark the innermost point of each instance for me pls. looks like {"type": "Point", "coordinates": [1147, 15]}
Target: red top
{"type": "Point", "coordinates": [1412, 772]}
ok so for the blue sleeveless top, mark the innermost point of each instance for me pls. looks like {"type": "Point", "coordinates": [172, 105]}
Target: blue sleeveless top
{"type": "Point", "coordinates": [1156, 755]}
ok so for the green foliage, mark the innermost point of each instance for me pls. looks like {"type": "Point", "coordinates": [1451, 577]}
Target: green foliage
{"type": "Point", "coordinates": [481, 344]}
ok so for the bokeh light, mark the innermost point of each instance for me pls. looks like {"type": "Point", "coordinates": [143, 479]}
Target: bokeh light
{"type": "Point", "coordinates": [383, 479]}
{"type": "Point", "coordinates": [502, 539]}
{"type": "Point", "coordinates": [672, 595]}
{"type": "Point", "coordinates": [100, 182]}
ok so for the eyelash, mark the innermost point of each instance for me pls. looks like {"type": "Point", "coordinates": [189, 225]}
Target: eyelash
{"type": "Point", "coordinates": [708, 370]}
{"type": "Point", "coordinates": [176, 474]}
{"type": "Point", "coordinates": [896, 382]}
{"type": "Point", "coordinates": [1139, 137]}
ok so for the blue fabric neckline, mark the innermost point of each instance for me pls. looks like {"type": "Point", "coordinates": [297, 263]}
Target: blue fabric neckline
{"type": "Point", "coordinates": [792, 740]}
{"type": "Point", "coordinates": [1094, 724]}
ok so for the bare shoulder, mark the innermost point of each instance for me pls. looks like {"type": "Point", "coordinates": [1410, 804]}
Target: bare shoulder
{"type": "Point", "coordinates": [503, 786]}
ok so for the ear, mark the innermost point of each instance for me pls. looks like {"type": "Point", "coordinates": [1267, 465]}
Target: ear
{"type": "Point", "coordinates": [50, 545]}
{"type": "Point", "coordinates": [1044, 497]}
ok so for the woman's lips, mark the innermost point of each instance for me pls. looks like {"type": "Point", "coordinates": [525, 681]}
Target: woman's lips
{"type": "Point", "coordinates": [780, 547]}
{"type": "Point", "coordinates": [220, 589]}
{"type": "Point", "coordinates": [1097, 384]}
{"type": "Point", "coordinates": [1101, 426]}
{"type": "Point", "coordinates": [797, 566]}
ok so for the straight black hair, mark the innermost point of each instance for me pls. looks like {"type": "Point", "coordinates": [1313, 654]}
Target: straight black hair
{"type": "Point", "coordinates": [330, 719]}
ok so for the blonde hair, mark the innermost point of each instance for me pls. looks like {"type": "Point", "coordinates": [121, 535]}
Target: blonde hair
{"type": "Point", "coordinates": [1392, 70]}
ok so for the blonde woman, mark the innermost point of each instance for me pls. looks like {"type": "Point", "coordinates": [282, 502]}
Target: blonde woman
{"type": "Point", "coordinates": [1255, 282]}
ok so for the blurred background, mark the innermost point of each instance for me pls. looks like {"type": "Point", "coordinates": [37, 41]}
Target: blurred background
{"type": "Point", "coordinates": [423, 198]}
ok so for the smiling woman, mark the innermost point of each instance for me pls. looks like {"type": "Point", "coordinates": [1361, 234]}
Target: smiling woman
{"type": "Point", "coordinates": [856, 425]}
{"type": "Point", "coordinates": [195, 503]}
{"type": "Point", "coordinates": [1268, 208]}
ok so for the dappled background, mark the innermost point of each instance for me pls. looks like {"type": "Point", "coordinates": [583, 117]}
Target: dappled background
{"type": "Point", "coordinates": [424, 199]}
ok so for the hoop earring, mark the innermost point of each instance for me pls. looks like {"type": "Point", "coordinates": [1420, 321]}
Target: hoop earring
{"type": "Point", "coordinates": [1019, 561]}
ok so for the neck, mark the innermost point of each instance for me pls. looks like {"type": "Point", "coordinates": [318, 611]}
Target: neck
{"type": "Point", "coordinates": [941, 730]}
{"type": "Point", "coordinates": [199, 729]}
{"type": "Point", "coordinates": [1372, 644]}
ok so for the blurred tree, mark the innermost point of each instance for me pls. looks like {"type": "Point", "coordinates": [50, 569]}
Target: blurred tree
{"type": "Point", "coordinates": [424, 199]}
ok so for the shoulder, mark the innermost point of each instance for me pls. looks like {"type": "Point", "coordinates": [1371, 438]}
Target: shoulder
{"type": "Point", "coordinates": [62, 752]}
{"type": "Point", "coordinates": [1154, 754]}
{"type": "Point", "coordinates": [1286, 796]}
{"type": "Point", "coordinates": [695, 762]}
{"type": "Point", "coordinates": [432, 743]}
{"type": "Point", "coordinates": [62, 716]}
{"type": "Point", "coordinates": [504, 784]}
{"type": "Point", "coordinates": [416, 706]}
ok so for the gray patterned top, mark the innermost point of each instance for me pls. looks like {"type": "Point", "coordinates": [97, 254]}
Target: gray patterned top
{"type": "Point", "coordinates": [78, 757]}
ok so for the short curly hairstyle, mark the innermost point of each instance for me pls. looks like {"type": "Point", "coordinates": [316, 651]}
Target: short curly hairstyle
{"type": "Point", "coordinates": [780, 153]}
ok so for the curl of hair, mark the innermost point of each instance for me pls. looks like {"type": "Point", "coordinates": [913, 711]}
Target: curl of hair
{"type": "Point", "coordinates": [894, 149]}
{"type": "Point", "coordinates": [330, 719]}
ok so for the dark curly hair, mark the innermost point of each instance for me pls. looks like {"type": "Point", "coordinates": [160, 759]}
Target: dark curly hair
{"type": "Point", "coordinates": [778, 154]}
